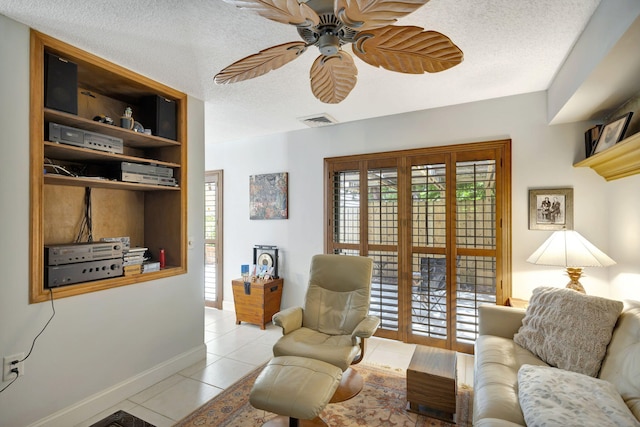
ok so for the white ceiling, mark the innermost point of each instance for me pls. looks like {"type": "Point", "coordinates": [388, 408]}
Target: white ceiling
{"type": "Point", "coordinates": [510, 47]}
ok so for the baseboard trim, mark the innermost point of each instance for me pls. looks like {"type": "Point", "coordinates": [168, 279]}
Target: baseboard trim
{"type": "Point", "coordinates": [111, 396]}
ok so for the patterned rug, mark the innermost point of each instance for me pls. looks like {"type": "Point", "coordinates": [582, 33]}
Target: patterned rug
{"type": "Point", "coordinates": [381, 402]}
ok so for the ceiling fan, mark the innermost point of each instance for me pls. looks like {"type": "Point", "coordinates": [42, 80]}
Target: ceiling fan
{"type": "Point", "coordinates": [330, 24]}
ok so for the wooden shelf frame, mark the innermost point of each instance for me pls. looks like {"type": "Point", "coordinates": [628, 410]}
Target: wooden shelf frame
{"type": "Point", "coordinates": [130, 138]}
{"type": "Point", "coordinates": [103, 183]}
{"type": "Point", "coordinates": [619, 161]}
{"type": "Point", "coordinates": [69, 152]}
{"type": "Point", "coordinates": [168, 230]}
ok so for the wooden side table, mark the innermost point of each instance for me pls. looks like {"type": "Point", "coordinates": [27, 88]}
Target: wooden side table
{"type": "Point", "coordinates": [257, 302]}
{"type": "Point", "coordinates": [431, 383]}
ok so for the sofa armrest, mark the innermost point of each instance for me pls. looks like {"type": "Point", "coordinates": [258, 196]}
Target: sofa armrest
{"type": "Point", "coordinates": [499, 320]}
{"type": "Point", "coordinates": [288, 319]}
{"type": "Point", "coordinates": [366, 328]}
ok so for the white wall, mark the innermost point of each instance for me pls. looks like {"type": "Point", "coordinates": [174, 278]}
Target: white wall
{"type": "Point", "coordinates": [542, 156]}
{"type": "Point", "coordinates": [102, 346]}
{"type": "Point", "coordinates": [623, 201]}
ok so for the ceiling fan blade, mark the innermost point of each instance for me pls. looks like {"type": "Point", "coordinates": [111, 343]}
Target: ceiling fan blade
{"type": "Point", "coordinates": [260, 63]}
{"type": "Point", "coordinates": [364, 15]}
{"type": "Point", "coordinates": [283, 11]}
{"type": "Point", "coordinates": [333, 77]}
{"type": "Point", "coordinates": [410, 50]}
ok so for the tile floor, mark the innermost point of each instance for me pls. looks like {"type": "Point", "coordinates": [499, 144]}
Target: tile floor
{"type": "Point", "coordinates": [232, 352]}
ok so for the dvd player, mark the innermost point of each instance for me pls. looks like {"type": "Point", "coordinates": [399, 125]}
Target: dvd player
{"type": "Point", "coordinates": [82, 138]}
{"type": "Point", "coordinates": [154, 170]}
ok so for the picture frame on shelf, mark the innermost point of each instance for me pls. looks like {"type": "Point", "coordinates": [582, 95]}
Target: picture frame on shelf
{"type": "Point", "coordinates": [612, 133]}
{"type": "Point", "coordinates": [591, 138]}
{"type": "Point", "coordinates": [551, 209]}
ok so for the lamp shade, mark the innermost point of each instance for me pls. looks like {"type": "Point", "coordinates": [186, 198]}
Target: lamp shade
{"type": "Point", "coordinates": [567, 248]}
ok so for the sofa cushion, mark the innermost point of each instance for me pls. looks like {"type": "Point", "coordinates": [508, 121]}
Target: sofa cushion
{"type": "Point", "coordinates": [550, 396]}
{"type": "Point", "coordinates": [621, 366]}
{"type": "Point", "coordinates": [495, 389]}
{"type": "Point", "coordinates": [567, 329]}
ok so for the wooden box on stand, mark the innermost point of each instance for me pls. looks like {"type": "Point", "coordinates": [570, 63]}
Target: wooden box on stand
{"type": "Point", "coordinates": [257, 301]}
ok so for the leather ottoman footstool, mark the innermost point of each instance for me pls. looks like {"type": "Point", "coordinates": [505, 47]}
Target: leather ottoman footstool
{"type": "Point", "coordinates": [295, 387]}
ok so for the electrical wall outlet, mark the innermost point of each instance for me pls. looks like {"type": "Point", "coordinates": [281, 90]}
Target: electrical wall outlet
{"type": "Point", "coordinates": [7, 375]}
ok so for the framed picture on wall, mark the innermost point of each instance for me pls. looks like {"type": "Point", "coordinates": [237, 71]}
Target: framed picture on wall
{"type": "Point", "coordinates": [268, 196]}
{"type": "Point", "coordinates": [551, 209]}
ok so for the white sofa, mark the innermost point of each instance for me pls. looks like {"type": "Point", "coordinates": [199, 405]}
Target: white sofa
{"type": "Point", "coordinates": [498, 360]}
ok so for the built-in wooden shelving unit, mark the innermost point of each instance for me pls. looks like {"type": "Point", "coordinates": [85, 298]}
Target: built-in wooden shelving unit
{"type": "Point", "coordinates": [153, 216]}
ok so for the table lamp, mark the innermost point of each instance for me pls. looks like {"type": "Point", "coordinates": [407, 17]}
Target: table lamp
{"type": "Point", "coordinates": [567, 248]}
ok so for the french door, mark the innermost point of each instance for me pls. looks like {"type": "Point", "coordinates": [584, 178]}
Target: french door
{"type": "Point", "coordinates": [213, 239]}
{"type": "Point", "coordinates": [436, 224]}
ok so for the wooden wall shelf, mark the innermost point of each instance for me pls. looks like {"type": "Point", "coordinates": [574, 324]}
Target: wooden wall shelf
{"type": "Point", "coordinates": [619, 161]}
{"type": "Point", "coordinates": [70, 152]}
{"type": "Point", "coordinates": [131, 138]}
{"type": "Point", "coordinates": [103, 183]}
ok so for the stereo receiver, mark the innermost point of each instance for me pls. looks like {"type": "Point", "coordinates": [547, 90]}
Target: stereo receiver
{"type": "Point", "coordinates": [69, 274]}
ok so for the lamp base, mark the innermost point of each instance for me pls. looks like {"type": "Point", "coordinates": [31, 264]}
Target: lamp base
{"type": "Point", "coordinates": [574, 274]}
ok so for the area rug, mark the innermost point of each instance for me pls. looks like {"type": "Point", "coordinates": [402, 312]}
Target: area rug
{"type": "Point", "coordinates": [122, 419]}
{"type": "Point", "coordinates": [382, 402]}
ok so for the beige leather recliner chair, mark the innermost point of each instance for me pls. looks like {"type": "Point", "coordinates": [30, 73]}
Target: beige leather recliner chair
{"type": "Point", "coordinates": [334, 322]}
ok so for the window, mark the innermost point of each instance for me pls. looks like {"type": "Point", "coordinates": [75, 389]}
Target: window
{"type": "Point", "coordinates": [435, 222]}
{"type": "Point", "coordinates": [213, 239]}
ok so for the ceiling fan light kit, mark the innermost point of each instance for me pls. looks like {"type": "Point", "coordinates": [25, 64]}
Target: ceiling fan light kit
{"type": "Point", "coordinates": [329, 25]}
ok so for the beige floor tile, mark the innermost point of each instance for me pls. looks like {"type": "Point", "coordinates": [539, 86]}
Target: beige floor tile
{"type": "Point", "coordinates": [208, 335]}
{"type": "Point", "coordinates": [181, 399]}
{"type": "Point", "coordinates": [125, 405]}
{"type": "Point", "coordinates": [221, 328]}
{"type": "Point", "coordinates": [198, 366]}
{"type": "Point", "coordinates": [227, 343]}
{"type": "Point", "coordinates": [391, 359]}
{"type": "Point", "coordinates": [156, 389]}
{"type": "Point", "coordinates": [224, 372]}
{"type": "Point", "coordinates": [253, 353]}
{"type": "Point", "coordinates": [395, 346]}
{"type": "Point", "coordinates": [270, 335]}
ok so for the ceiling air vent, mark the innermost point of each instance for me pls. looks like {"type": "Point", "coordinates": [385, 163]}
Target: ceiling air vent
{"type": "Point", "coordinates": [318, 120]}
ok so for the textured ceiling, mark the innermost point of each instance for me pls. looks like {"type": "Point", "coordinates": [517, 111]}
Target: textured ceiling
{"type": "Point", "coordinates": [510, 47]}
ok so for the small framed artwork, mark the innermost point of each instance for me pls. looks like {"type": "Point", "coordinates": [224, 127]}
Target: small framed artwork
{"type": "Point", "coordinates": [268, 196]}
{"type": "Point", "coordinates": [612, 133]}
{"type": "Point", "coordinates": [551, 209]}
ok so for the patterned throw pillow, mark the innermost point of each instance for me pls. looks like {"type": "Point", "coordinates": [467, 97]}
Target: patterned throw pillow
{"type": "Point", "coordinates": [554, 397]}
{"type": "Point", "coordinates": [567, 329]}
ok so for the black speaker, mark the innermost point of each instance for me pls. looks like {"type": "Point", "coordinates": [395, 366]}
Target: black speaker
{"type": "Point", "coordinates": [158, 114]}
{"type": "Point", "coordinates": [60, 84]}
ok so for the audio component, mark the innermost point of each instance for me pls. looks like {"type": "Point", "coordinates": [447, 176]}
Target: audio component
{"type": "Point", "coordinates": [266, 256]}
{"type": "Point", "coordinates": [82, 138]}
{"type": "Point", "coordinates": [148, 179]}
{"type": "Point", "coordinates": [125, 240]}
{"type": "Point", "coordinates": [154, 170]}
{"type": "Point", "coordinates": [158, 114]}
{"type": "Point", "coordinates": [60, 84]}
{"type": "Point", "coordinates": [147, 174]}
{"type": "Point", "coordinates": [81, 252]}
{"type": "Point", "coordinates": [81, 272]}
{"type": "Point", "coordinates": [139, 178]}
